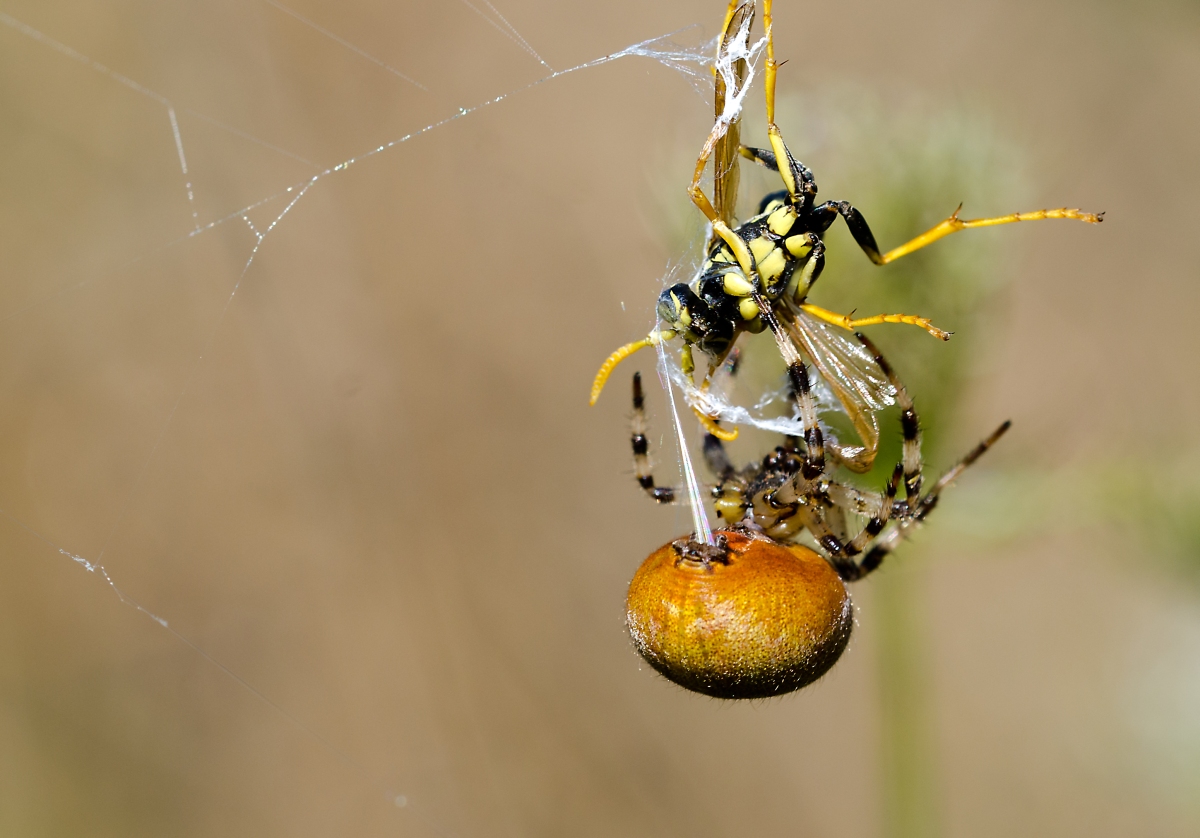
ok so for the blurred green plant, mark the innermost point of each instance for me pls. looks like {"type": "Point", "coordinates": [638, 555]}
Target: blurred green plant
{"type": "Point", "coordinates": [907, 166]}
{"type": "Point", "coordinates": [1153, 509]}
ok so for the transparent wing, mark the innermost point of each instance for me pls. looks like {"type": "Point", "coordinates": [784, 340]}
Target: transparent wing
{"type": "Point", "coordinates": [853, 376]}
{"type": "Point", "coordinates": [726, 169]}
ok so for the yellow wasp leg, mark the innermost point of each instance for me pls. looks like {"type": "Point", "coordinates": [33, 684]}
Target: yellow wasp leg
{"type": "Point", "coordinates": [720, 227]}
{"type": "Point", "coordinates": [610, 364]}
{"type": "Point", "coordinates": [953, 224]}
{"type": "Point", "coordinates": [846, 322]}
{"type": "Point", "coordinates": [711, 426]}
{"type": "Point", "coordinates": [773, 133]}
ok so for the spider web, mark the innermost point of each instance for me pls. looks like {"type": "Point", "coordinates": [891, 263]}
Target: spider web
{"type": "Point", "coordinates": [220, 183]}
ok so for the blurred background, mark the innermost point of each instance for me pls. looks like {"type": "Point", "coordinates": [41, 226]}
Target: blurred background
{"type": "Point", "coordinates": [359, 482]}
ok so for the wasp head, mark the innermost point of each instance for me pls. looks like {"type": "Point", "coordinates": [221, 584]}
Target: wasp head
{"type": "Point", "coordinates": [694, 320]}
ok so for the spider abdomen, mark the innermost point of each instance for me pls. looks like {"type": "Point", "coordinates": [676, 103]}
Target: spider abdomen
{"type": "Point", "coordinates": [751, 618]}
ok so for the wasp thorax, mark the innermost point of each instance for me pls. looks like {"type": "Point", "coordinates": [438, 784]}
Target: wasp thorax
{"type": "Point", "coordinates": [746, 618]}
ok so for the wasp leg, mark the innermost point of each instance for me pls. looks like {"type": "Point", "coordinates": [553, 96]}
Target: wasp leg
{"type": "Point", "coordinates": [857, 225]}
{"type": "Point", "coordinates": [610, 363]}
{"type": "Point", "coordinates": [761, 156]}
{"type": "Point", "coordinates": [712, 428]}
{"type": "Point", "coordinates": [796, 176]}
{"type": "Point", "coordinates": [641, 448]}
{"type": "Point", "coordinates": [847, 322]}
{"type": "Point", "coordinates": [709, 422]}
{"type": "Point", "coordinates": [717, 138]}
{"type": "Point", "coordinates": [741, 251]}
{"type": "Point", "coordinates": [953, 224]}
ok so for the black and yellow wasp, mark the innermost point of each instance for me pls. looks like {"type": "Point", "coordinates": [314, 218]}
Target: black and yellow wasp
{"type": "Point", "coordinates": [758, 274]}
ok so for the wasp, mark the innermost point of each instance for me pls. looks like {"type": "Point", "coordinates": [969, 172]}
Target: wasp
{"type": "Point", "coordinates": [757, 275]}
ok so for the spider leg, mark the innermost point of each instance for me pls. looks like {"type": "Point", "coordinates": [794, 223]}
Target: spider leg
{"type": "Point", "coordinates": [926, 505]}
{"type": "Point", "coordinates": [729, 495]}
{"type": "Point", "coordinates": [842, 553]}
{"type": "Point", "coordinates": [814, 440]}
{"type": "Point", "coordinates": [910, 426]}
{"type": "Point", "coordinates": [641, 448]}
{"type": "Point", "coordinates": [930, 500]}
{"type": "Point", "coordinates": [835, 517]}
{"type": "Point", "coordinates": [852, 498]}
{"type": "Point", "coordinates": [717, 458]}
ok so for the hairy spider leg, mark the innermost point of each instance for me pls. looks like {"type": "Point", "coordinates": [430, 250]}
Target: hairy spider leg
{"type": "Point", "coordinates": [926, 505]}
{"type": "Point", "coordinates": [930, 500]}
{"type": "Point", "coordinates": [641, 448]}
{"type": "Point", "coordinates": [841, 552]}
{"type": "Point", "coordinates": [910, 426]}
{"type": "Point", "coordinates": [715, 456]}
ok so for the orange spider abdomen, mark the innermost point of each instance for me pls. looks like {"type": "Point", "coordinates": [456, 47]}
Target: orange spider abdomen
{"type": "Point", "coordinates": [760, 619]}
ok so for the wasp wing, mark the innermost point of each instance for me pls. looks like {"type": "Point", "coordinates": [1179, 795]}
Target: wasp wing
{"type": "Point", "coordinates": [726, 161]}
{"type": "Point", "coordinates": [853, 375]}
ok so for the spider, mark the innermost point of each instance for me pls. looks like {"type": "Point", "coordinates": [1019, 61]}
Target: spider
{"type": "Point", "coordinates": [757, 275]}
{"type": "Point", "coordinates": [758, 614]}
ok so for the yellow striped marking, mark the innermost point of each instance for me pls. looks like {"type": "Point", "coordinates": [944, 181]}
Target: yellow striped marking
{"type": "Point", "coordinates": [771, 267]}
{"type": "Point", "coordinates": [760, 247]}
{"type": "Point", "coordinates": [780, 221]}
{"type": "Point", "coordinates": [799, 246]}
{"type": "Point", "coordinates": [737, 285]}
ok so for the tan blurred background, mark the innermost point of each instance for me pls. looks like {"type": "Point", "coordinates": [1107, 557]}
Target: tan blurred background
{"type": "Point", "coordinates": [390, 538]}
